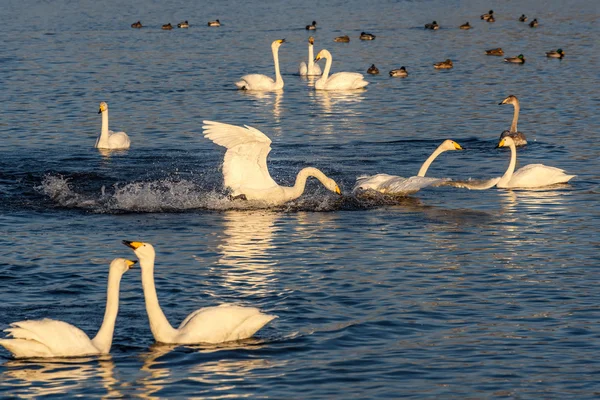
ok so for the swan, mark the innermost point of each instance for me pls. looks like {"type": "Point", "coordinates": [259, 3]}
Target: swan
{"type": "Point", "coordinates": [312, 68]}
{"type": "Point", "coordinates": [391, 184]}
{"type": "Point", "coordinates": [263, 82]}
{"type": "Point", "coordinates": [517, 136]}
{"type": "Point", "coordinates": [529, 176]}
{"type": "Point", "coordinates": [109, 139]}
{"type": "Point", "coordinates": [219, 324]}
{"type": "Point", "coordinates": [51, 338]}
{"type": "Point", "coordinates": [339, 80]}
{"type": "Point", "coordinates": [245, 169]}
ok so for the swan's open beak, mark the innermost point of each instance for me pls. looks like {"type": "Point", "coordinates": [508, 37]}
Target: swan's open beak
{"type": "Point", "coordinates": [133, 245]}
{"type": "Point", "coordinates": [337, 190]}
{"type": "Point", "coordinates": [131, 263]}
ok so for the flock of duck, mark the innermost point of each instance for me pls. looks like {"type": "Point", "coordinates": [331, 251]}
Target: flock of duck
{"type": "Point", "coordinates": [246, 176]}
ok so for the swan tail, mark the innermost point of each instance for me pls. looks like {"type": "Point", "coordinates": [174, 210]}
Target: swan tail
{"type": "Point", "coordinates": [23, 348]}
{"type": "Point", "coordinates": [250, 326]}
{"type": "Point", "coordinates": [303, 69]}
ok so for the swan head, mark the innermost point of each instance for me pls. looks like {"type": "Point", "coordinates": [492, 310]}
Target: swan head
{"type": "Point", "coordinates": [142, 250]}
{"type": "Point", "coordinates": [277, 43]}
{"type": "Point", "coordinates": [333, 186]}
{"type": "Point", "coordinates": [322, 54]}
{"type": "Point", "coordinates": [121, 265]}
{"type": "Point", "coordinates": [450, 145]}
{"type": "Point", "coordinates": [311, 40]}
{"type": "Point", "coordinates": [506, 141]}
{"type": "Point", "coordinates": [509, 100]}
{"type": "Point", "coordinates": [103, 107]}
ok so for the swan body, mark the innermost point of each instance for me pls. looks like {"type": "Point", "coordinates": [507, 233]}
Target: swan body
{"type": "Point", "coordinates": [555, 54]}
{"type": "Point", "coordinates": [245, 169]}
{"type": "Point", "coordinates": [262, 82]}
{"type": "Point", "coordinates": [391, 184]}
{"type": "Point", "coordinates": [51, 338]}
{"type": "Point", "coordinates": [529, 176]}
{"type": "Point", "coordinates": [310, 69]}
{"type": "Point", "coordinates": [183, 24]}
{"type": "Point", "coordinates": [495, 52]}
{"type": "Point", "coordinates": [342, 39]}
{"type": "Point", "coordinates": [214, 23]}
{"type": "Point", "coordinates": [137, 25]}
{"type": "Point", "coordinates": [401, 72]}
{"type": "Point", "coordinates": [433, 26]}
{"type": "Point", "coordinates": [520, 59]}
{"type": "Point", "coordinates": [109, 139]}
{"type": "Point", "coordinates": [518, 137]}
{"type": "Point", "coordinates": [218, 324]}
{"type": "Point", "coordinates": [339, 80]}
{"type": "Point", "coordinates": [465, 26]}
{"type": "Point", "coordinates": [443, 65]}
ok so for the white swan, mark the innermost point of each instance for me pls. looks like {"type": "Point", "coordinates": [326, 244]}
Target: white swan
{"type": "Point", "coordinates": [339, 80]}
{"type": "Point", "coordinates": [517, 136]}
{"type": "Point", "coordinates": [391, 184]}
{"type": "Point", "coordinates": [263, 82]}
{"type": "Point", "coordinates": [51, 338]}
{"type": "Point", "coordinates": [109, 139]}
{"type": "Point", "coordinates": [310, 69]}
{"type": "Point", "coordinates": [529, 176]}
{"type": "Point", "coordinates": [245, 169]}
{"type": "Point", "coordinates": [219, 324]}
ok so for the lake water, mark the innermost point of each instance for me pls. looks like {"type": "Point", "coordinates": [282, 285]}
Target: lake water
{"type": "Point", "coordinates": [448, 293]}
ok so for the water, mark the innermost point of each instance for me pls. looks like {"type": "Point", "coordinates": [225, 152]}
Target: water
{"type": "Point", "coordinates": [446, 293]}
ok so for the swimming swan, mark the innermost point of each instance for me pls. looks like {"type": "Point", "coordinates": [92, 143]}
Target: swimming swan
{"type": "Point", "coordinates": [245, 169]}
{"type": "Point", "coordinates": [391, 184]}
{"type": "Point", "coordinates": [529, 176]}
{"type": "Point", "coordinates": [312, 68]}
{"type": "Point", "coordinates": [339, 80]}
{"type": "Point", "coordinates": [518, 137]}
{"type": "Point", "coordinates": [263, 82]}
{"type": "Point", "coordinates": [51, 338]}
{"type": "Point", "coordinates": [219, 324]}
{"type": "Point", "coordinates": [109, 139]}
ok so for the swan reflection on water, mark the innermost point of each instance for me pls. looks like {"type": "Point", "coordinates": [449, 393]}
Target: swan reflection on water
{"type": "Point", "coordinates": [268, 99]}
{"type": "Point", "coordinates": [32, 378]}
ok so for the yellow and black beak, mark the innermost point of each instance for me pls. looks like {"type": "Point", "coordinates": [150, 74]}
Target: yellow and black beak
{"type": "Point", "coordinates": [337, 190]}
{"type": "Point", "coordinates": [100, 111]}
{"type": "Point", "coordinates": [318, 57]}
{"type": "Point", "coordinates": [458, 146]}
{"type": "Point", "coordinates": [281, 41]}
{"type": "Point", "coordinates": [131, 263]}
{"type": "Point", "coordinates": [501, 144]}
{"type": "Point", "coordinates": [133, 245]}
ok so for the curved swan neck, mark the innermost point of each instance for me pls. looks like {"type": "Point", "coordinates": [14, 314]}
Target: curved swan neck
{"type": "Point", "coordinates": [513, 126]}
{"type": "Point", "coordinates": [103, 339]}
{"type": "Point", "coordinates": [429, 160]}
{"type": "Point", "coordinates": [278, 78]}
{"type": "Point", "coordinates": [328, 62]}
{"type": "Point", "coordinates": [159, 325]}
{"type": "Point", "coordinates": [298, 188]}
{"type": "Point", "coordinates": [511, 167]}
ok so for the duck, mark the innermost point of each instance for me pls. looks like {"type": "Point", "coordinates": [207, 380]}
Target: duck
{"type": "Point", "coordinates": [137, 25]}
{"type": "Point", "coordinates": [49, 338]}
{"type": "Point", "coordinates": [366, 36]}
{"type": "Point", "coordinates": [216, 22]}
{"type": "Point", "coordinates": [529, 176]}
{"type": "Point", "coordinates": [523, 18]}
{"type": "Point", "coordinates": [491, 19]}
{"type": "Point", "coordinates": [520, 59]}
{"type": "Point", "coordinates": [167, 27]}
{"type": "Point", "coordinates": [443, 65]}
{"type": "Point", "coordinates": [465, 26]}
{"type": "Point", "coordinates": [373, 70]}
{"type": "Point", "coordinates": [245, 170]}
{"type": "Point", "coordinates": [183, 24]}
{"type": "Point", "coordinates": [495, 52]}
{"type": "Point", "coordinates": [312, 27]}
{"type": "Point", "coordinates": [342, 39]}
{"type": "Point", "coordinates": [518, 137]}
{"type": "Point", "coordinates": [109, 139]}
{"type": "Point", "coordinates": [556, 54]}
{"type": "Point", "coordinates": [434, 25]}
{"type": "Point", "coordinates": [339, 80]}
{"type": "Point", "coordinates": [487, 16]}
{"type": "Point", "coordinates": [218, 324]}
{"type": "Point", "coordinates": [534, 23]}
{"type": "Point", "coordinates": [401, 72]}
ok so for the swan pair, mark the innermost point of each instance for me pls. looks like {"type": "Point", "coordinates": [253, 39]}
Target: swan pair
{"type": "Point", "coordinates": [48, 338]}
{"type": "Point", "coordinates": [337, 81]}
{"type": "Point", "coordinates": [109, 139]}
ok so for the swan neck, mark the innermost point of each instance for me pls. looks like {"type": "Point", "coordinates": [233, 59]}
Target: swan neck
{"type": "Point", "coordinates": [429, 160]}
{"type": "Point", "coordinates": [328, 62]}
{"type": "Point", "coordinates": [103, 139]}
{"type": "Point", "coordinates": [104, 337]}
{"type": "Point", "coordinates": [159, 325]}
{"type": "Point", "coordinates": [300, 184]}
{"type": "Point", "coordinates": [311, 58]}
{"type": "Point", "coordinates": [278, 78]}
{"type": "Point", "coordinates": [513, 126]}
{"type": "Point", "coordinates": [511, 167]}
